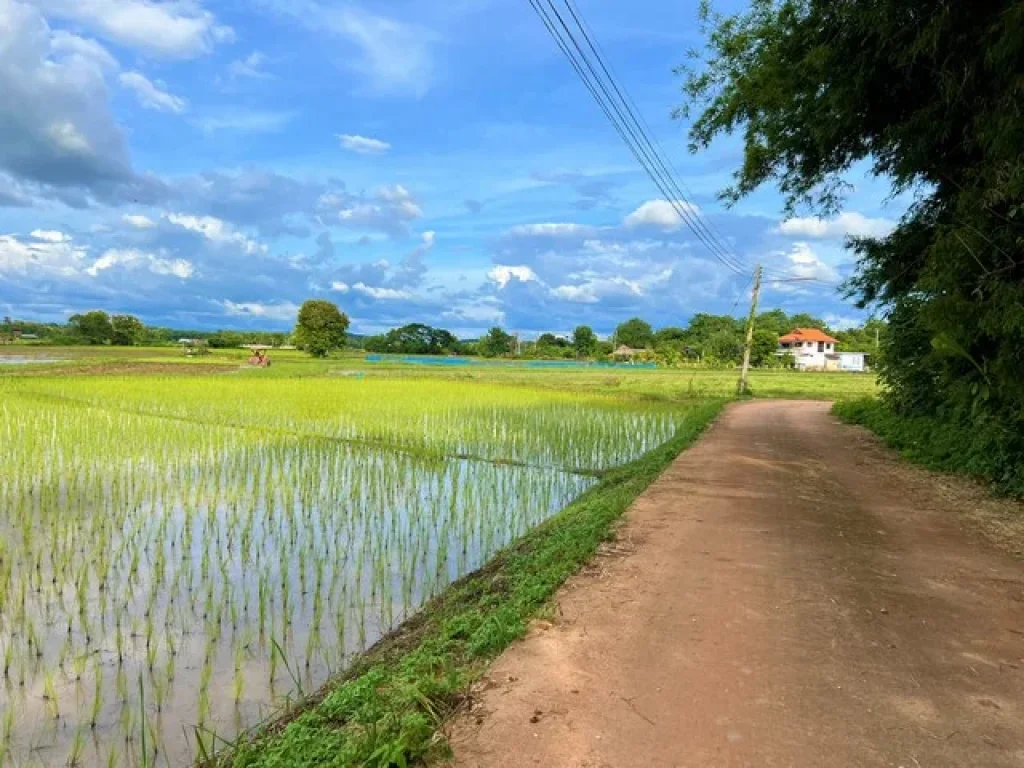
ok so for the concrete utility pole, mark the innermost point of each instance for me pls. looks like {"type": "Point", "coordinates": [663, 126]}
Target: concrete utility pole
{"type": "Point", "coordinates": [741, 388]}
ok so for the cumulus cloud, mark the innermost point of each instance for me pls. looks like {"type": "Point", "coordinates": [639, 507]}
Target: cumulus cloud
{"type": "Point", "coordinates": [850, 224]}
{"type": "Point", "coordinates": [803, 262]}
{"type": "Point", "coordinates": [172, 28]}
{"type": "Point", "coordinates": [376, 292]}
{"type": "Point", "coordinates": [150, 95]}
{"type": "Point", "coordinates": [503, 274]}
{"type": "Point", "coordinates": [339, 286]}
{"type": "Point", "coordinates": [138, 221]}
{"type": "Point", "coordinates": [49, 252]}
{"type": "Point", "coordinates": [50, 235]}
{"type": "Point", "coordinates": [131, 258]}
{"type": "Point", "coordinates": [595, 290]}
{"type": "Point", "coordinates": [281, 311]}
{"type": "Point", "coordinates": [216, 231]}
{"type": "Point", "coordinates": [363, 145]}
{"type": "Point", "coordinates": [659, 214]}
{"type": "Point", "coordinates": [389, 210]}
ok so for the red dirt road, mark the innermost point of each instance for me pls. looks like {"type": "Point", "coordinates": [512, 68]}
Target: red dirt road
{"type": "Point", "coordinates": [786, 594]}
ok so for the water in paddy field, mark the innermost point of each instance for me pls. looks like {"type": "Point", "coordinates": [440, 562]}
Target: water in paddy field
{"type": "Point", "coordinates": [181, 579]}
{"type": "Point", "coordinates": [24, 360]}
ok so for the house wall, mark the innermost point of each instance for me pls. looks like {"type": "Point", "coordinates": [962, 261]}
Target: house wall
{"type": "Point", "coordinates": [806, 354]}
{"type": "Point", "coordinates": [851, 361]}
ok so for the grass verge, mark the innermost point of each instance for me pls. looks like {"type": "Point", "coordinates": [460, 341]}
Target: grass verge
{"type": "Point", "coordinates": [976, 448]}
{"type": "Point", "coordinates": [387, 709]}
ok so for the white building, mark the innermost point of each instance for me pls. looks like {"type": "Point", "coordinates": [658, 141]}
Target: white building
{"type": "Point", "coordinates": [852, 361]}
{"type": "Point", "coordinates": [811, 349]}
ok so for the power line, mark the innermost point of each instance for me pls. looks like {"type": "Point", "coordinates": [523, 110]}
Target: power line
{"type": "Point", "coordinates": [625, 117]}
{"type": "Point", "coordinates": [629, 130]}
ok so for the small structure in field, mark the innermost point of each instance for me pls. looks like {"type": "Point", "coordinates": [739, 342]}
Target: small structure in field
{"type": "Point", "coordinates": [812, 349]}
{"type": "Point", "coordinates": [852, 361]}
{"type": "Point", "coordinates": [625, 353]}
{"type": "Point", "coordinates": [194, 347]}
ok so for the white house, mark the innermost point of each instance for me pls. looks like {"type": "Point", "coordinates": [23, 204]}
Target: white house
{"type": "Point", "coordinates": [811, 349]}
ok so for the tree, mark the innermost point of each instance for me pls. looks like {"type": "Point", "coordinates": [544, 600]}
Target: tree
{"type": "Point", "coordinates": [763, 346]}
{"type": "Point", "coordinates": [496, 343]}
{"type": "Point", "coordinates": [584, 341]}
{"type": "Point", "coordinates": [225, 340]}
{"type": "Point", "coordinates": [94, 327]}
{"type": "Point", "coordinates": [413, 339]}
{"type": "Point", "coordinates": [126, 330]}
{"type": "Point", "coordinates": [635, 333]}
{"type": "Point", "coordinates": [928, 94]}
{"type": "Point", "coordinates": [321, 327]}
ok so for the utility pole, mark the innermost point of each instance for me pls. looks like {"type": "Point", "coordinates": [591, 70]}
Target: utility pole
{"type": "Point", "coordinates": [741, 388]}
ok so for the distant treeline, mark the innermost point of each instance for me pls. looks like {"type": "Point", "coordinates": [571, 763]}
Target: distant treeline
{"type": "Point", "coordinates": [708, 339]}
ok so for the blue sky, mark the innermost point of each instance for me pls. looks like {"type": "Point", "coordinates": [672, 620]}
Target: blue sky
{"type": "Point", "coordinates": [212, 164]}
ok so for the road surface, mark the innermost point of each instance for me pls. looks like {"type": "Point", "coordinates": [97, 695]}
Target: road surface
{"type": "Point", "coordinates": [787, 594]}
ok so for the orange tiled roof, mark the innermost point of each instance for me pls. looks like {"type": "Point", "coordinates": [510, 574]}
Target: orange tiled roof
{"type": "Point", "coordinates": [808, 334]}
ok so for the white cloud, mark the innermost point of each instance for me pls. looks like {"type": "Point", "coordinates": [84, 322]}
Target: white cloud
{"type": "Point", "coordinates": [132, 258]}
{"type": "Point", "coordinates": [593, 291]}
{"type": "Point", "coordinates": [251, 66]}
{"type": "Point", "coordinates": [138, 221]}
{"type": "Point", "coordinates": [551, 229]}
{"type": "Point", "coordinates": [217, 231]}
{"type": "Point", "coordinates": [804, 262]}
{"type": "Point", "coordinates": [660, 214]}
{"type": "Point", "coordinates": [428, 238]}
{"type": "Point", "coordinates": [150, 95]}
{"type": "Point", "coordinates": [283, 311]}
{"type": "Point", "coordinates": [339, 286]}
{"type": "Point", "coordinates": [389, 210]}
{"type": "Point", "coordinates": [173, 28]}
{"type": "Point", "coordinates": [68, 46]}
{"type": "Point", "coordinates": [502, 274]}
{"type": "Point", "coordinates": [393, 56]}
{"type": "Point", "coordinates": [50, 235]}
{"type": "Point", "coordinates": [381, 293]}
{"type": "Point", "coordinates": [363, 145]}
{"type": "Point", "coordinates": [245, 121]}
{"type": "Point", "coordinates": [47, 254]}
{"type": "Point", "coordinates": [851, 224]}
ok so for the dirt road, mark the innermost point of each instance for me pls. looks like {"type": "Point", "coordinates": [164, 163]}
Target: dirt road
{"type": "Point", "coordinates": [786, 594]}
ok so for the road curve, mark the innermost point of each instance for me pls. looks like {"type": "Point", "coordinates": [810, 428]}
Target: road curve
{"type": "Point", "coordinates": [786, 594]}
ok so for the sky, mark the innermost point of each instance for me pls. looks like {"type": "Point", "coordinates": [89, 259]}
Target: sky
{"type": "Point", "coordinates": [212, 164]}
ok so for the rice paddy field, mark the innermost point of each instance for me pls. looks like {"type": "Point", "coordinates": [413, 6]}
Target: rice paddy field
{"type": "Point", "coordinates": [182, 555]}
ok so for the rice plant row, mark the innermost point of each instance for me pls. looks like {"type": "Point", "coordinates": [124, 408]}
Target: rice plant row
{"type": "Point", "coordinates": [177, 558]}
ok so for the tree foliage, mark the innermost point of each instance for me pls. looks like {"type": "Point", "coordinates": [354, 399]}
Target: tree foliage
{"type": "Point", "coordinates": [413, 339]}
{"type": "Point", "coordinates": [94, 327]}
{"type": "Point", "coordinates": [636, 333]}
{"type": "Point", "coordinates": [321, 327]}
{"type": "Point", "coordinates": [584, 341]}
{"type": "Point", "coordinates": [928, 94]}
{"type": "Point", "coordinates": [496, 343]}
{"type": "Point", "coordinates": [126, 330]}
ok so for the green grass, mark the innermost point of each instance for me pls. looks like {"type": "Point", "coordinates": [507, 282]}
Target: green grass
{"type": "Point", "coordinates": [386, 711]}
{"type": "Point", "coordinates": [661, 384]}
{"type": "Point", "coordinates": [985, 450]}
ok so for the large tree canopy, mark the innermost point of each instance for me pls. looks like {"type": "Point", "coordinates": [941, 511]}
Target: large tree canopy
{"type": "Point", "coordinates": [928, 92]}
{"type": "Point", "coordinates": [320, 328]}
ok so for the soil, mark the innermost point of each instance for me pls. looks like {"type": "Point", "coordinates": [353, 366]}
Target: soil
{"type": "Point", "coordinates": [788, 593]}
